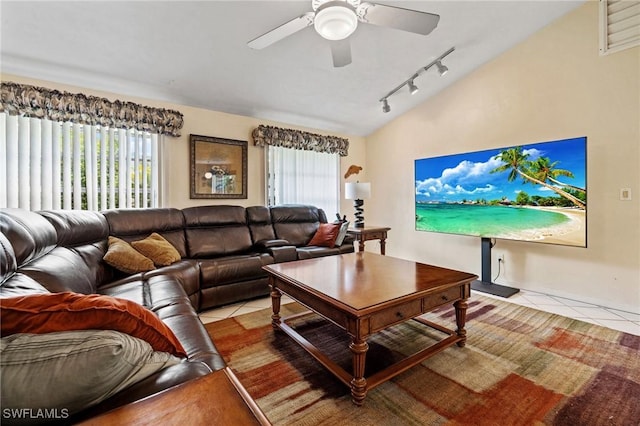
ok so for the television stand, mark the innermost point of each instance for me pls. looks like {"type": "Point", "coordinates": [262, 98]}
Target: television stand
{"type": "Point", "coordinates": [485, 285]}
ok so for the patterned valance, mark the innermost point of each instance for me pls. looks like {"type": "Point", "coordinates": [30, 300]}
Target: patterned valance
{"type": "Point", "coordinates": [296, 139]}
{"type": "Point", "coordinates": [32, 101]}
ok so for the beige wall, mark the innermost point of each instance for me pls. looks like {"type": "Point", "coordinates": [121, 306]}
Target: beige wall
{"type": "Point", "coordinates": [210, 123]}
{"type": "Point", "coordinates": [552, 86]}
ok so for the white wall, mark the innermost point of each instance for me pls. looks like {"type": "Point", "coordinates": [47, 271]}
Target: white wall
{"type": "Point", "coordinates": [552, 86]}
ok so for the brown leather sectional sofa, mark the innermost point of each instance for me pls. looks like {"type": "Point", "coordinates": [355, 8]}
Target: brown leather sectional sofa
{"type": "Point", "coordinates": [223, 249]}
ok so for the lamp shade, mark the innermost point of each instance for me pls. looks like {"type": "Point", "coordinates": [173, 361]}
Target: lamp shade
{"type": "Point", "coordinates": [357, 191]}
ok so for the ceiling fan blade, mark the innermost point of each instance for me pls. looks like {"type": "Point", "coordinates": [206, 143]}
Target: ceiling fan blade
{"type": "Point", "coordinates": [341, 52]}
{"type": "Point", "coordinates": [396, 17]}
{"type": "Point", "coordinates": [284, 30]}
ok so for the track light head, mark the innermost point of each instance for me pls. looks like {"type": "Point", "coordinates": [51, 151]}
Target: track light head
{"type": "Point", "coordinates": [385, 106]}
{"type": "Point", "coordinates": [442, 69]}
{"type": "Point", "coordinates": [410, 82]}
{"type": "Point", "coordinates": [413, 89]}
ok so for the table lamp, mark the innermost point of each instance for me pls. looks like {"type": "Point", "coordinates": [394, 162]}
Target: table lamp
{"type": "Point", "coordinates": [358, 192]}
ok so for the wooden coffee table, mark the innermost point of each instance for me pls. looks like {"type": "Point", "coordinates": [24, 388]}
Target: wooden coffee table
{"type": "Point", "coordinates": [364, 293]}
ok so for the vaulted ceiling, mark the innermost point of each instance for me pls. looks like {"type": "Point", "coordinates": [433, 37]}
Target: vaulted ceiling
{"type": "Point", "coordinates": [196, 54]}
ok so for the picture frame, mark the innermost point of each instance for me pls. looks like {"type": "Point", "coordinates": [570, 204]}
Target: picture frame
{"type": "Point", "coordinates": [218, 167]}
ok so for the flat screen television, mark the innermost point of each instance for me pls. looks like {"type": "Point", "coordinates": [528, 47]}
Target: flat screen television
{"type": "Point", "coordinates": [535, 192]}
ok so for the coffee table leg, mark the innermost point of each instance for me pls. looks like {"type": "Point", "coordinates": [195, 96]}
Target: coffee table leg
{"type": "Point", "coordinates": [461, 319]}
{"type": "Point", "coordinates": [359, 350]}
{"type": "Point", "coordinates": [275, 304]}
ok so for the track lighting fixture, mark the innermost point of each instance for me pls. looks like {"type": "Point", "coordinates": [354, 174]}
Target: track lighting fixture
{"type": "Point", "coordinates": [385, 106]}
{"type": "Point", "coordinates": [410, 83]}
{"type": "Point", "coordinates": [413, 89]}
{"type": "Point", "coordinates": [441, 68]}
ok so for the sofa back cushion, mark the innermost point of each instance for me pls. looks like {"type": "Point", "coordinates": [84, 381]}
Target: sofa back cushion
{"type": "Point", "coordinates": [30, 234]}
{"type": "Point", "coordinates": [216, 231]}
{"type": "Point", "coordinates": [76, 267]}
{"type": "Point", "coordinates": [259, 220]}
{"type": "Point", "coordinates": [8, 264]}
{"type": "Point", "coordinates": [137, 224]}
{"type": "Point", "coordinates": [82, 240]}
{"type": "Point", "coordinates": [296, 223]}
{"type": "Point", "coordinates": [13, 283]}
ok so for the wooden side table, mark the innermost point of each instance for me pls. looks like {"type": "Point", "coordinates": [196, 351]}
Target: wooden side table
{"type": "Point", "coordinates": [215, 399]}
{"type": "Point", "coordinates": [369, 233]}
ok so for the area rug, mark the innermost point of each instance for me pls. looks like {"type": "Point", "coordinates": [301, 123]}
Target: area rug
{"type": "Point", "coordinates": [520, 366]}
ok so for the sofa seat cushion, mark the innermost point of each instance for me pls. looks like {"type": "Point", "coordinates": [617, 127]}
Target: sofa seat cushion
{"type": "Point", "coordinates": [152, 294]}
{"type": "Point", "coordinates": [232, 269]}
{"type": "Point", "coordinates": [186, 324]}
{"type": "Point", "coordinates": [163, 295]}
{"type": "Point", "coordinates": [311, 252]}
{"type": "Point", "coordinates": [186, 272]}
{"type": "Point", "coordinates": [72, 370]}
{"type": "Point", "coordinates": [47, 313]}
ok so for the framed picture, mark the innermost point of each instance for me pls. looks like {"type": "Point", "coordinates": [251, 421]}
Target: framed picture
{"type": "Point", "coordinates": [218, 167]}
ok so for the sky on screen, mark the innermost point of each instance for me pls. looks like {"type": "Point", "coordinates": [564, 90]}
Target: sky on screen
{"type": "Point", "coordinates": [467, 176]}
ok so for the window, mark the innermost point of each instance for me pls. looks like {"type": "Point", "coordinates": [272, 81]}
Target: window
{"type": "Point", "coordinates": [47, 164]}
{"type": "Point", "coordinates": [302, 167]}
{"type": "Point", "coordinates": [298, 176]}
{"type": "Point", "coordinates": [61, 150]}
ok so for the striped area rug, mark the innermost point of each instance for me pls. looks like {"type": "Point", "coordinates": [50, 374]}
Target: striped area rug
{"type": "Point", "coordinates": [520, 366]}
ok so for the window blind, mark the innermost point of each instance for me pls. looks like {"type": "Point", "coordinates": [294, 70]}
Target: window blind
{"type": "Point", "coordinates": [296, 176]}
{"type": "Point", "coordinates": [46, 164]}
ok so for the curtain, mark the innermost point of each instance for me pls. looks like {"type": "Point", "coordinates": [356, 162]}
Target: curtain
{"type": "Point", "coordinates": [303, 177]}
{"type": "Point", "coordinates": [40, 102]}
{"type": "Point", "coordinates": [296, 139]}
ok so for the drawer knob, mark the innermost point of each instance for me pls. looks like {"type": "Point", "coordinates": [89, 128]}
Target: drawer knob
{"type": "Point", "coordinates": [399, 315]}
{"type": "Point", "coordinates": [445, 298]}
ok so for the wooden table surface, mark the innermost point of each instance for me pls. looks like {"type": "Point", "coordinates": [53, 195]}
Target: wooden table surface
{"type": "Point", "coordinates": [363, 280]}
{"type": "Point", "coordinates": [364, 293]}
{"type": "Point", "coordinates": [214, 399]}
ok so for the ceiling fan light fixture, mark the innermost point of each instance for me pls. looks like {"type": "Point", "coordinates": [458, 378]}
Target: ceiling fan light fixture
{"type": "Point", "coordinates": [335, 20]}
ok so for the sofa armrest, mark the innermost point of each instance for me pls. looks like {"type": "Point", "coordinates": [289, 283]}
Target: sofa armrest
{"type": "Point", "coordinates": [283, 254]}
{"type": "Point", "coordinates": [280, 250]}
{"type": "Point", "coordinates": [349, 239]}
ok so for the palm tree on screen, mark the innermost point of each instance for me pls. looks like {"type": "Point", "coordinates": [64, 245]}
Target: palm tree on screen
{"type": "Point", "coordinates": [545, 170]}
{"type": "Point", "coordinates": [518, 164]}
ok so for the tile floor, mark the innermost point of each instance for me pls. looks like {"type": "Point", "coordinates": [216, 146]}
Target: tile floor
{"type": "Point", "coordinates": [628, 322]}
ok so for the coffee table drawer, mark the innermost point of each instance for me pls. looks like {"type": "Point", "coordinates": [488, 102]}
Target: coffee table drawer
{"type": "Point", "coordinates": [397, 314]}
{"type": "Point", "coordinates": [447, 296]}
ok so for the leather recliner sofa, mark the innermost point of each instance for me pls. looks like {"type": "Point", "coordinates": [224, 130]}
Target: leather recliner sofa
{"type": "Point", "coordinates": [222, 249]}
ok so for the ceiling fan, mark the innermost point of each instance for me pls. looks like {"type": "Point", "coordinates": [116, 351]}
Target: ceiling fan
{"type": "Point", "coordinates": [336, 20]}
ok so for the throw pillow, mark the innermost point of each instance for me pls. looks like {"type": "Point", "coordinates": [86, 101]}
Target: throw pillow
{"type": "Point", "coordinates": [158, 249]}
{"type": "Point", "coordinates": [125, 258]}
{"type": "Point", "coordinates": [342, 234]}
{"type": "Point", "coordinates": [47, 313]}
{"type": "Point", "coordinates": [73, 370]}
{"type": "Point", "coordinates": [326, 235]}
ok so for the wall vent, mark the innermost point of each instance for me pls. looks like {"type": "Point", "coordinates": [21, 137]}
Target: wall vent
{"type": "Point", "coordinates": [619, 25]}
